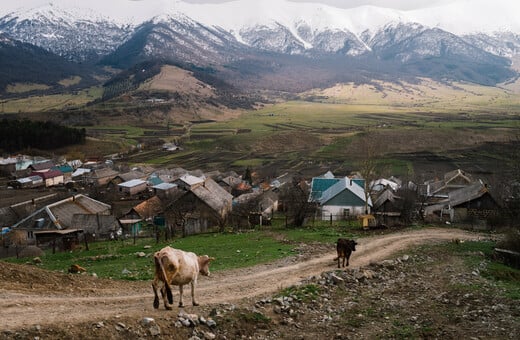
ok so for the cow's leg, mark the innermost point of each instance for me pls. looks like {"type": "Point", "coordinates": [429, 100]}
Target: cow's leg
{"type": "Point", "coordinates": [165, 299]}
{"type": "Point", "coordinates": [348, 257]}
{"type": "Point", "coordinates": [156, 297]}
{"type": "Point", "coordinates": [193, 294]}
{"type": "Point", "coordinates": [180, 297]}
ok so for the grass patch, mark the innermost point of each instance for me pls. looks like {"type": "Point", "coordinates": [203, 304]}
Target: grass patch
{"type": "Point", "coordinates": [70, 81]}
{"type": "Point", "coordinates": [26, 87]}
{"type": "Point", "coordinates": [321, 234]}
{"type": "Point", "coordinates": [50, 102]}
{"type": "Point", "coordinates": [507, 277]}
{"type": "Point", "coordinates": [248, 162]}
{"type": "Point", "coordinates": [120, 260]}
{"type": "Point", "coordinates": [255, 318]}
{"type": "Point", "coordinates": [305, 293]}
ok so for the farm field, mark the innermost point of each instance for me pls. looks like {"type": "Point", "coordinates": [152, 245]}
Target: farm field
{"type": "Point", "coordinates": [428, 126]}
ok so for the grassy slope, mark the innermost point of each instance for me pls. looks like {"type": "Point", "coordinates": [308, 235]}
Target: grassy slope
{"type": "Point", "coordinates": [321, 126]}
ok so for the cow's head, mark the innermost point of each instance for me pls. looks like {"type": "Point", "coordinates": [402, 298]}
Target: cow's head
{"type": "Point", "coordinates": [204, 262]}
{"type": "Point", "coordinates": [353, 245]}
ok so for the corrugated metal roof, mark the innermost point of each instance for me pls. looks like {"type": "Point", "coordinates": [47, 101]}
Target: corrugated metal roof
{"type": "Point", "coordinates": [149, 208]}
{"type": "Point", "coordinates": [80, 172]}
{"type": "Point", "coordinates": [133, 183]}
{"type": "Point", "coordinates": [467, 194]}
{"type": "Point", "coordinates": [48, 174]}
{"type": "Point", "coordinates": [42, 165]}
{"type": "Point", "coordinates": [64, 210]}
{"type": "Point", "coordinates": [191, 180]}
{"type": "Point", "coordinates": [213, 195]}
{"type": "Point", "coordinates": [319, 185]}
{"type": "Point", "coordinates": [128, 176]}
{"type": "Point", "coordinates": [344, 184]}
{"type": "Point", "coordinates": [164, 186]}
{"type": "Point", "coordinates": [60, 213]}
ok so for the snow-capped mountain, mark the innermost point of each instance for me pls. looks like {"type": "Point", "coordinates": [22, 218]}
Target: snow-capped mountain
{"type": "Point", "coordinates": [477, 32]}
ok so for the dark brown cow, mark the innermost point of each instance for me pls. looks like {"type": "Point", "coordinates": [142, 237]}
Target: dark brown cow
{"type": "Point", "coordinates": [178, 268]}
{"type": "Point", "coordinates": [345, 247]}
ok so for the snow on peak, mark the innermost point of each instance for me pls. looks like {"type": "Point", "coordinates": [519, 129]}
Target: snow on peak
{"type": "Point", "coordinates": [457, 16]}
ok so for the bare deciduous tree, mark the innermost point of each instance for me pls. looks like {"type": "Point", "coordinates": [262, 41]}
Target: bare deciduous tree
{"type": "Point", "coordinates": [370, 165]}
{"type": "Point", "coordinates": [295, 198]}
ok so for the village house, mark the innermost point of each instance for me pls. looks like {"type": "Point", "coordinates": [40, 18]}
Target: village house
{"type": "Point", "coordinates": [142, 213]}
{"type": "Point", "coordinates": [199, 208]}
{"type": "Point", "coordinates": [163, 189]}
{"type": "Point", "coordinates": [187, 181]}
{"type": "Point", "coordinates": [132, 187]}
{"type": "Point", "coordinates": [79, 174]}
{"type": "Point", "coordinates": [29, 182]}
{"type": "Point", "coordinates": [41, 166]}
{"type": "Point", "coordinates": [470, 203]}
{"type": "Point", "coordinates": [339, 198]}
{"type": "Point", "coordinates": [127, 176]}
{"type": "Point", "coordinates": [60, 215]}
{"type": "Point", "coordinates": [66, 170]}
{"type": "Point", "coordinates": [50, 177]}
{"type": "Point", "coordinates": [8, 166]}
{"type": "Point", "coordinates": [451, 181]}
{"type": "Point", "coordinates": [99, 177]}
{"type": "Point", "coordinates": [254, 208]}
{"type": "Point", "coordinates": [387, 207]}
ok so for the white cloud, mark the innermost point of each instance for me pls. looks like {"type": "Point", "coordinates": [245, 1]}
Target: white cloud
{"type": "Point", "coordinates": [396, 4]}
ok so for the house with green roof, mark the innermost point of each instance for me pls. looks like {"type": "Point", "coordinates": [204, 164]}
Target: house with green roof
{"type": "Point", "coordinates": [339, 197]}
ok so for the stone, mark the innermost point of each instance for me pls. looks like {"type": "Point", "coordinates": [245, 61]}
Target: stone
{"type": "Point", "coordinates": [147, 321]}
{"type": "Point", "coordinates": [155, 330]}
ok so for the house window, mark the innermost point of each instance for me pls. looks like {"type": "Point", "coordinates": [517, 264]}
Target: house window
{"type": "Point", "coordinates": [346, 213]}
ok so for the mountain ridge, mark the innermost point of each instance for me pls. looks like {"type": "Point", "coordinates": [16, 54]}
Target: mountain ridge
{"type": "Point", "coordinates": [226, 36]}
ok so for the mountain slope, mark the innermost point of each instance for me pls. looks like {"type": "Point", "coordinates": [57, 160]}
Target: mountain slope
{"type": "Point", "coordinates": [26, 63]}
{"type": "Point", "coordinates": [462, 41]}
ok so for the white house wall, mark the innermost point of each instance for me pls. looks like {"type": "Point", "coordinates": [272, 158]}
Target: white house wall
{"type": "Point", "coordinates": [337, 212]}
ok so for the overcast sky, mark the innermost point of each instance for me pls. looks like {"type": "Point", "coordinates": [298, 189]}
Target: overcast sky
{"type": "Point", "coordinates": [397, 4]}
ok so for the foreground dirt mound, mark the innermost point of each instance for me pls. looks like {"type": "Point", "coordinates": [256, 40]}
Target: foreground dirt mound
{"type": "Point", "coordinates": [422, 295]}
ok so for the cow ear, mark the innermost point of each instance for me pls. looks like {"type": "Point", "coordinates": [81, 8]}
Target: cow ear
{"type": "Point", "coordinates": [212, 259]}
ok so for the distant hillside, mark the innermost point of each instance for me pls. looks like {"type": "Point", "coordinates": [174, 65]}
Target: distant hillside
{"type": "Point", "coordinates": [177, 92]}
{"type": "Point", "coordinates": [26, 63]}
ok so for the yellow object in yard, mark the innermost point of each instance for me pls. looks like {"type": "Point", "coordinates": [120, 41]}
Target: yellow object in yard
{"type": "Point", "coordinates": [367, 220]}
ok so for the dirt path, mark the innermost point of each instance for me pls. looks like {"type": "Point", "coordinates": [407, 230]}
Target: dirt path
{"type": "Point", "coordinates": [95, 302]}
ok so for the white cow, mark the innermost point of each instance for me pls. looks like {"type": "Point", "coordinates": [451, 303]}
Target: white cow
{"type": "Point", "coordinates": [177, 267]}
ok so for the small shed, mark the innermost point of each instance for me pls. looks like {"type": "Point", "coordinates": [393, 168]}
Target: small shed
{"type": "Point", "coordinates": [66, 170]}
{"type": "Point", "coordinates": [30, 182]}
{"type": "Point", "coordinates": [66, 239]}
{"type": "Point", "coordinates": [41, 166]}
{"type": "Point", "coordinates": [51, 177]}
{"type": "Point", "coordinates": [132, 187]}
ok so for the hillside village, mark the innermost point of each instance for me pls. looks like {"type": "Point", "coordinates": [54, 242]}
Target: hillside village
{"type": "Point", "coordinates": [64, 203]}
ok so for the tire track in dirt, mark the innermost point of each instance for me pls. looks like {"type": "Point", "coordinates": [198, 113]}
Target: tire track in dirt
{"type": "Point", "coordinates": [19, 310]}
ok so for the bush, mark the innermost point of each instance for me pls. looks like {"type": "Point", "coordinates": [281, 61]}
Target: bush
{"type": "Point", "coordinates": [511, 240]}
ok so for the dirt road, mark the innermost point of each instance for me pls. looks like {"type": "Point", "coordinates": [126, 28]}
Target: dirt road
{"type": "Point", "coordinates": [51, 298]}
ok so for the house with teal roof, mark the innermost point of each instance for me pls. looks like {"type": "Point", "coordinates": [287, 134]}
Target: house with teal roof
{"type": "Point", "coordinates": [67, 171]}
{"type": "Point", "coordinates": [339, 197]}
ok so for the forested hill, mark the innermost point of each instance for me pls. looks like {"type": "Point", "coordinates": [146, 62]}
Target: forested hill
{"type": "Point", "coordinates": [16, 135]}
{"type": "Point", "coordinates": [26, 63]}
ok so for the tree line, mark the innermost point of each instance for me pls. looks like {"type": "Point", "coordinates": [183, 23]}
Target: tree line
{"type": "Point", "coordinates": [16, 135]}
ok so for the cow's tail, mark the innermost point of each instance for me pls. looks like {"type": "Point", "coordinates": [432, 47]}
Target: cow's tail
{"type": "Point", "coordinates": [162, 274]}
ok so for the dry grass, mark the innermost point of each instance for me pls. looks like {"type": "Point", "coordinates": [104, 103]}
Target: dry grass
{"type": "Point", "coordinates": [174, 79]}
{"type": "Point", "coordinates": [425, 95]}
{"type": "Point", "coordinates": [26, 87]}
